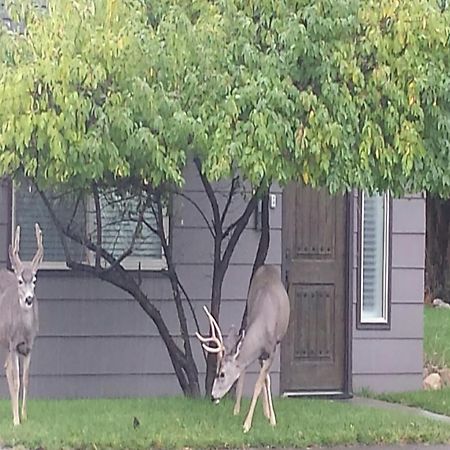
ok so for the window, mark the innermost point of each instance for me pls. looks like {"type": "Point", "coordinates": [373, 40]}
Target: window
{"type": "Point", "coordinates": [374, 260]}
{"type": "Point", "coordinates": [118, 228]}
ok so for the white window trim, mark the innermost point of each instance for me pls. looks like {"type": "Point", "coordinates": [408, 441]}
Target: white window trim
{"type": "Point", "coordinates": [384, 319]}
{"type": "Point", "coordinates": [130, 263]}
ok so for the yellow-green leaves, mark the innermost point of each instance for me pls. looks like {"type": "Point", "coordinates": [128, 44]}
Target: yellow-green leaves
{"type": "Point", "coordinates": [79, 101]}
{"type": "Point", "coordinates": [340, 93]}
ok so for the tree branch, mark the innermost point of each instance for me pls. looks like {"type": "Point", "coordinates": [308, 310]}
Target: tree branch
{"type": "Point", "coordinates": [231, 193]}
{"type": "Point", "coordinates": [70, 233]}
{"type": "Point", "coordinates": [263, 248]}
{"type": "Point", "coordinates": [197, 207]}
{"type": "Point", "coordinates": [212, 199]}
{"type": "Point", "coordinates": [61, 235]}
{"type": "Point", "coordinates": [172, 274]}
{"type": "Point", "coordinates": [240, 226]}
{"type": "Point", "coordinates": [98, 223]}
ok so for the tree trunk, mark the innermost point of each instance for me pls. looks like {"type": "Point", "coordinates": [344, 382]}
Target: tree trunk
{"type": "Point", "coordinates": [437, 274]}
{"type": "Point", "coordinates": [216, 297]}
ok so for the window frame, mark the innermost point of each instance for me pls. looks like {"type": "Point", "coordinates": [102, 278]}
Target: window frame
{"type": "Point", "coordinates": [384, 322]}
{"type": "Point", "coordinates": [130, 263]}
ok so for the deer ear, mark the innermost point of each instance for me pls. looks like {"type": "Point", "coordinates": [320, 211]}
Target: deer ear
{"type": "Point", "coordinates": [239, 344]}
{"type": "Point", "coordinates": [231, 338]}
{"type": "Point", "coordinates": [15, 263]}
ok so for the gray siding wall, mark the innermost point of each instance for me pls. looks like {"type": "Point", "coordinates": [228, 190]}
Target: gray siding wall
{"type": "Point", "coordinates": [391, 360]}
{"type": "Point", "coordinates": [96, 341]}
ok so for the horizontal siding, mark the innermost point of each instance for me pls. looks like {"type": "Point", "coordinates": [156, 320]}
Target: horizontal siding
{"type": "Point", "coordinates": [105, 317]}
{"type": "Point", "coordinates": [387, 356]}
{"type": "Point", "coordinates": [407, 285]}
{"type": "Point", "coordinates": [111, 355]}
{"type": "Point", "coordinates": [95, 340]}
{"type": "Point", "coordinates": [391, 360]}
{"type": "Point", "coordinates": [387, 382]}
{"type": "Point", "coordinates": [113, 386]}
{"type": "Point", "coordinates": [203, 253]}
{"type": "Point", "coordinates": [408, 251]}
{"type": "Point", "coordinates": [187, 216]}
{"type": "Point", "coordinates": [197, 280]}
{"type": "Point", "coordinates": [408, 216]}
{"type": "Point", "coordinates": [400, 328]}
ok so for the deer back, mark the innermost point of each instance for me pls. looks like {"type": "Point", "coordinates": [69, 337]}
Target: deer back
{"type": "Point", "coordinates": [268, 314]}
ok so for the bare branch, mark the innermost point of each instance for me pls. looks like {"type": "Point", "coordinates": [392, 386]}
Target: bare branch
{"type": "Point", "coordinates": [61, 235]}
{"type": "Point", "coordinates": [188, 299]}
{"type": "Point", "coordinates": [240, 226]}
{"type": "Point", "coordinates": [71, 234]}
{"type": "Point", "coordinates": [75, 209]}
{"type": "Point", "coordinates": [98, 223]}
{"type": "Point", "coordinates": [212, 199]}
{"type": "Point", "coordinates": [230, 228]}
{"type": "Point", "coordinates": [197, 207]}
{"type": "Point", "coordinates": [231, 194]}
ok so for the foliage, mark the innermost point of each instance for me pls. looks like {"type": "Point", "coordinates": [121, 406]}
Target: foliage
{"type": "Point", "coordinates": [182, 423]}
{"type": "Point", "coordinates": [80, 101]}
{"type": "Point", "coordinates": [120, 95]}
{"type": "Point", "coordinates": [338, 93]}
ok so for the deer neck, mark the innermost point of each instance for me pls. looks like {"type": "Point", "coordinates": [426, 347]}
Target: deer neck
{"type": "Point", "coordinates": [252, 347]}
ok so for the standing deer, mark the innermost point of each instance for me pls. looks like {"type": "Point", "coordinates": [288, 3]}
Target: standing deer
{"type": "Point", "coordinates": [267, 322]}
{"type": "Point", "coordinates": [19, 321]}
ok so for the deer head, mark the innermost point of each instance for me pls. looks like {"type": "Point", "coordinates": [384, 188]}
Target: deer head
{"type": "Point", "coordinates": [26, 271]}
{"type": "Point", "coordinates": [227, 351]}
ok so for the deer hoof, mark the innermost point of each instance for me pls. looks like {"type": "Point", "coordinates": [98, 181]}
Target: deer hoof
{"type": "Point", "coordinates": [247, 427]}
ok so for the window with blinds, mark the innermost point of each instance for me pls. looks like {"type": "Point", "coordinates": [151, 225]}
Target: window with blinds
{"type": "Point", "coordinates": [118, 229]}
{"type": "Point", "coordinates": [374, 259]}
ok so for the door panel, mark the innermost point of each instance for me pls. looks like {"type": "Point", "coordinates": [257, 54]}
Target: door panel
{"type": "Point", "coordinates": [313, 353]}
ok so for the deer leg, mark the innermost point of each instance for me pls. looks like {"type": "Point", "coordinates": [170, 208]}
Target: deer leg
{"type": "Point", "coordinates": [12, 375]}
{"type": "Point", "coordinates": [265, 404]}
{"type": "Point", "coordinates": [272, 419]}
{"type": "Point", "coordinates": [25, 378]}
{"type": "Point", "coordinates": [265, 400]}
{"type": "Point", "coordinates": [258, 386]}
{"type": "Point", "coordinates": [239, 389]}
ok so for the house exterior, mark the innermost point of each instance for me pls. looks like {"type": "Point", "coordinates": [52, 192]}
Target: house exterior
{"type": "Point", "coordinates": [354, 272]}
{"type": "Point", "coordinates": [353, 267]}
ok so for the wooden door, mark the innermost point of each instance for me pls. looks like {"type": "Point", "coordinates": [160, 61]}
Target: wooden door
{"type": "Point", "coordinates": [313, 353]}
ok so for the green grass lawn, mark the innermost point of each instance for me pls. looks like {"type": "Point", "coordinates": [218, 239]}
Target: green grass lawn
{"type": "Point", "coordinates": [182, 423]}
{"type": "Point", "coordinates": [437, 336]}
{"type": "Point", "coordinates": [437, 352]}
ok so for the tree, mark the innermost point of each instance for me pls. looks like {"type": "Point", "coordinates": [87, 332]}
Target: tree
{"type": "Point", "coordinates": [112, 99]}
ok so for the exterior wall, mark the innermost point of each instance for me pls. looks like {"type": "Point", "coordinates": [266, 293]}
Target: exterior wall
{"type": "Point", "coordinates": [391, 360]}
{"type": "Point", "coordinates": [96, 341]}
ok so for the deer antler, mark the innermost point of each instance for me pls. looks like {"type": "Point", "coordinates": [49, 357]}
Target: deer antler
{"type": "Point", "coordinates": [216, 339]}
{"type": "Point", "coordinates": [37, 259]}
{"type": "Point", "coordinates": [16, 263]}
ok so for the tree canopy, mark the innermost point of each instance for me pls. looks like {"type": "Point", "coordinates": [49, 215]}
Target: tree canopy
{"type": "Point", "coordinates": [340, 93]}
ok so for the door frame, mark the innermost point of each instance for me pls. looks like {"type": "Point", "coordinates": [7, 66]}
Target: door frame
{"type": "Point", "coordinates": [349, 294]}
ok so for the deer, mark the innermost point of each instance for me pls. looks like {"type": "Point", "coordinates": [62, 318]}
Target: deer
{"type": "Point", "coordinates": [267, 323]}
{"type": "Point", "coordinates": [19, 319]}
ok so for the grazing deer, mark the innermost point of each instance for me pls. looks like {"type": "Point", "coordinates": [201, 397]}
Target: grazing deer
{"type": "Point", "coordinates": [19, 321]}
{"type": "Point", "coordinates": [267, 322]}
